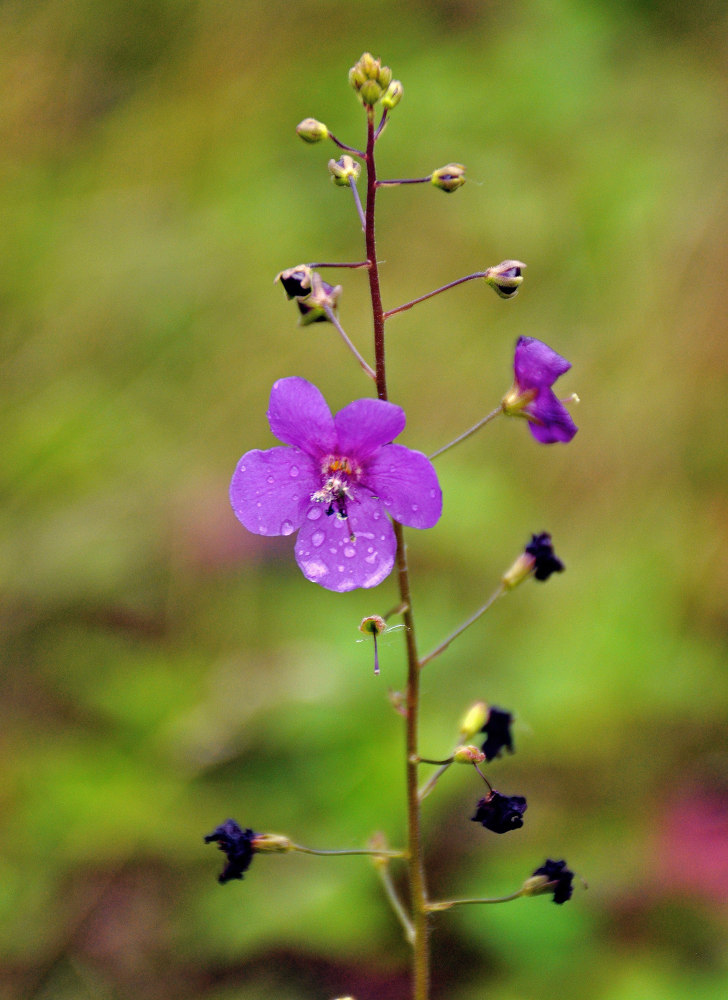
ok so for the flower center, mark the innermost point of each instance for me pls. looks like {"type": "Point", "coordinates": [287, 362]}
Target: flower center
{"type": "Point", "coordinates": [338, 475]}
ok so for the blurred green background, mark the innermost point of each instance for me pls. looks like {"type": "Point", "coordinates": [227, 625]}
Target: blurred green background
{"type": "Point", "coordinates": [163, 669]}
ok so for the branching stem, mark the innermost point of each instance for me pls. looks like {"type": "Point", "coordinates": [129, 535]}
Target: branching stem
{"type": "Point", "coordinates": [468, 433]}
{"type": "Point", "coordinates": [331, 315]}
{"type": "Point", "coordinates": [466, 624]}
{"type": "Point", "coordinates": [437, 291]}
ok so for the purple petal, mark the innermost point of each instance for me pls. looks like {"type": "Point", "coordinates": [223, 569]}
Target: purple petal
{"type": "Point", "coordinates": [328, 556]}
{"type": "Point", "coordinates": [555, 423]}
{"type": "Point", "coordinates": [406, 483]}
{"type": "Point", "coordinates": [271, 490]}
{"type": "Point", "coordinates": [367, 424]}
{"type": "Point", "coordinates": [536, 365]}
{"type": "Point", "coordinates": [298, 415]}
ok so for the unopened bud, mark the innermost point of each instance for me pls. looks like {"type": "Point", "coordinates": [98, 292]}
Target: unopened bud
{"type": "Point", "coordinates": [344, 170]}
{"type": "Point", "coordinates": [449, 178]}
{"type": "Point", "coordinates": [296, 281]}
{"type": "Point", "coordinates": [468, 755]}
{"type": "Point", "coordinates": [271, 843]}
{"type": "Point", "coordinates": [393, 94]}
{"type": "Point", "coordinates": [312, 130]}
{"type": "Point", "coordinates": [505, 278]}
{"type": "Point", "coordinates": [474, 720]}
{"type": "Point", "coordinates": [370, 79]}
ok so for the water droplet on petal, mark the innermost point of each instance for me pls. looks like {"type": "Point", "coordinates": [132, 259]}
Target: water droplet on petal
{"type": "Point", "coordinates": [293, 471]}
{"type": "Point", "coordinates": [370, 549]}
{"type": "Point", "coordinates": [349, 551]}
{"type": "Point", "coordinates": [433, 493]}
{"type": "Point", "coordinates": [333, 550]}
{"type": "Point", "coordinates": [340, 569]}
{"type": "Point", "coordinates": [317, 538]}
{"type": "Point", "coordinates": [242, 468]}
{"type": "Point", "coordinates": [314, 512]}
{"type": "Point", "coordinates": [262, 530]}
{"type": "Point", "coordinates": [415, 508]}
{"type": "Point", "coordinates": [286, 528]}
{"type": "Point", "coordinates": [376, 515]}
{"type": "Point", "coordinates": [259, 504]}
{"type": "Point", "coordinates": [271, 480]}
{"type": "Point", "coordinates": [371, 559]}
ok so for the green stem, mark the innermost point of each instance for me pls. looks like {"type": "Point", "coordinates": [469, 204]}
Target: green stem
{"type": "Point", "coordinates": [332, 317]}
{"type": "Point", "coordinates": [354, 850]}
{"type": "Point", "coordinates": [395, 902]}
{"type": "Point", "coordinates": [437, 291]}
{"type": "Point", "coordinates": [415, 864]}
{"type": "Point", "coordinates": [447, 904]}
{"type": "Point", "coordinates": [466, 434]}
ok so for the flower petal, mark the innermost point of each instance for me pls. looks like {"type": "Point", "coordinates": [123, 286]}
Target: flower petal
{"type": "Point", "coordinates": [270, 491]}
{"type": "Point", "coordinates": [367, 424]}
{"type": "Point", "coordinates": [328, 556]}
{"type": "Point", "coordinates": [536, 365]}
{"type": "Point", "coordinates": [555, 423]}
{"type": "Point", "coordinates": [298, 414]}
{"type": "Point", "coordinates": [406, 483]}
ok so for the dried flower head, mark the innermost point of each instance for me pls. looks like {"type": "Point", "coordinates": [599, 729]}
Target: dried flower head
{"type": "Point", "coordinates": [536, 368]}
{"type": "Point", "coordinates": [500, 813]}
{"type": "Point", "coordinates": [498, 733]}
{"type": "Point", "coordinates": [552, 876]}
{"type": "Point", "coordinates": [237, 846]}
{"type": "Point", "coordinates": [335, 483]}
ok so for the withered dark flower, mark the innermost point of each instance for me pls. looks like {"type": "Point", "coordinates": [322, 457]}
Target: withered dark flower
{"type": "Point", "coordinates": [500, 813]}
{"type": "Point", "coordinates": [237, 846]}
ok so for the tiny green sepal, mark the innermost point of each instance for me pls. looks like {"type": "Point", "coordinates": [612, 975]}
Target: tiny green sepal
{"type": "Point", "coordinates": [271, 843]}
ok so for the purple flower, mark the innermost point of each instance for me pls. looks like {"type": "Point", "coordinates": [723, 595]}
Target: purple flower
{"type": "Point", "coordinates": [536, 368]}
{"type": "Point", "coordinates": [335, 482]}
{"type": "Point", "coordinates": [559, 880]}
{"type": "Point", "coordinates": [500, 813]}
{"type": "Point", "coordinates": [498, 733]}
{"type": "Point", "coordinates": [545, 560]}
{"type": "Point", "coordinates": [236, 844]}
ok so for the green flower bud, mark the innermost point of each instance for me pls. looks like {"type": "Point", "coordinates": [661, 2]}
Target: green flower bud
{"type": "Point", "coordinates": [449, 178]}
{"type": "Point", "coordinates": [393, 94]}
{"type": "Point", "coordinates": [344, 169]}
{"type": "Point", "coordinates": [474, 720]}
{"type": "Point", "coordinates": [468, 755]}
{"type": "Point", "coordinates": [312, 130]}
{"type": "Point", "coordinates": [370, 79]}
{"type": "Point", "coordinates": [505, 278]}
{"type": "Point", "coordinates": [271, 843]}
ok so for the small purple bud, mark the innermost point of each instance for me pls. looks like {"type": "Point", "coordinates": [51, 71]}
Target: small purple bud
{"type": "Point", "coordinates": [500, 813]}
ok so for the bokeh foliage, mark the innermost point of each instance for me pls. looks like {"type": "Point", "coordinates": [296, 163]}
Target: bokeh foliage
{"type": "Point", "coordinates": [163, 670]}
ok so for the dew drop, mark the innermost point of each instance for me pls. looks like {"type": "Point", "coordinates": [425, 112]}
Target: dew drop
{"type": "Point", "coordinates": [333, 550]}
{"type": "Point", "coordinates": [339, 569]}
{"type": "Point", "coordinates": [349, 551]}
{"type": "Point", "coordinates": [371, 559]}
{"type": "Point", "coordinates": [293, 472]}
{"type": "Point", "coordinates": [314, 513]}
{"type": "Point", "coordinates": [262, 530]}
{"type": "Point", "coordinates": [376, 515]}
{"type": "Point", "coordinates": [370, 549]}
{"type": "Point", "coordinates": [271, 480]}
{"type": "Point", "coordinates": [317, 538]}
{"type": "Point", "coordinates": [415, 508]}
{"type": "Point", "coordinates": [242, 468]}
{"type": "Point", "coordinates": [259, 504]}
{"type": "Point", "coordinates": [286, 528]}
{"type": "Point", "coordinates": [392, 468]}
{"type": "Point", "coordinates": [433, 493]}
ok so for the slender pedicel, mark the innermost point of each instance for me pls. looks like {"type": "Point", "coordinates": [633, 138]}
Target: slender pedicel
{"type": "Point", "coordinates": [363, 850]}
{"type": "Point", "coordinates": [459, 631]}
{"type": "Point", "coordinates": [447, 904]}
{"type": "Point", "coordinates": [331, 315]}
{"type": "Point", "coordinates": [358, 263]}
{"type": "Point", "coordinates": [342, 145]}
{"type": "Point", "coordinates": [395, 902]}
{"type": "Point", "coordinates": [444, 288]}
{"type": "Point", "coordinates": [357, 202]}
{"type": "Point", "coordinates": [468, 433]}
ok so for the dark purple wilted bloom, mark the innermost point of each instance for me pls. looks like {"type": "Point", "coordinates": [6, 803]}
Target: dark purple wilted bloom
{"type": "Point", "coordinates": [545, 561]}
{"type": "Point", "coordinates": [236, 844]}
{"type": "Point", "coordinates": [536, 368]}
{"type": "Point", "coordinates": [559, 880]}
{"type": "Point", "coordinates": [498, 733]}
{"type": "Point", "coordinates": [500, 813]}
{"type": "Point", "coordinates": [336, 482]}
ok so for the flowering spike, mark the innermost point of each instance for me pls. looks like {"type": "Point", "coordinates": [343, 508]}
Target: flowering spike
{"type": "Point", "coordinates": [538, 559]}
{"type": "Point", "coordinates": [500, 813]}
{"type": "Point", "coordinates": [505, 278]}
{"type": "Point", "coordinates": [335, 483]}
{"type": "Point", "coordinates": [343, 170]}
{"type": "Point", "coordinates": [552, 876]}
{"type": "Point", "coordinates": [448, 178]}
{"type": "Point", "coordinates": [536, 367]}
{"type": "Point", "coordinates": [312, 130]}
{"type": "Point", "coordinates": [237, 845]}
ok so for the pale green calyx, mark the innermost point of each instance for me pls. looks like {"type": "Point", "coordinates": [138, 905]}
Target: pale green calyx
{"type": "Point", "coordinates": [449, 178]}
{"type": "Point", "coordinates": [344, 170]}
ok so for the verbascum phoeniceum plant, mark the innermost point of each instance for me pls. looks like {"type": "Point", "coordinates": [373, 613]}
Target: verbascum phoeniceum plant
{"type": "Point", "coordinates": [343, 485]}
